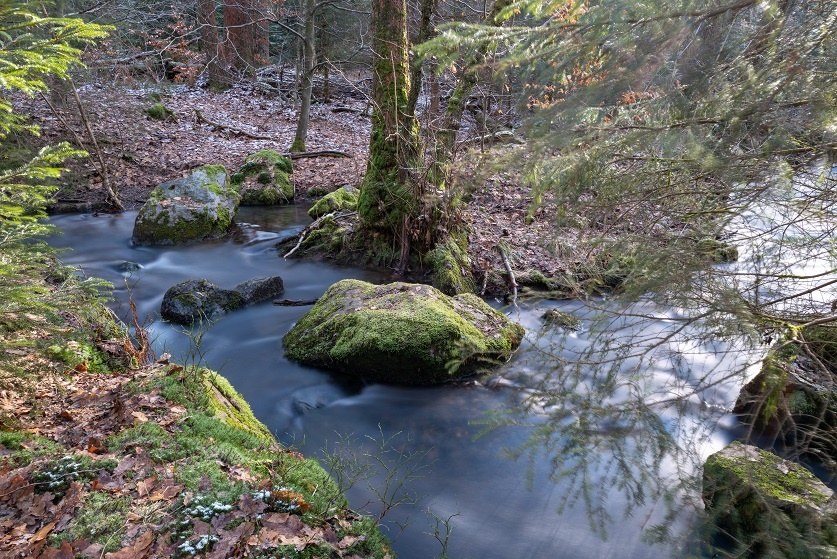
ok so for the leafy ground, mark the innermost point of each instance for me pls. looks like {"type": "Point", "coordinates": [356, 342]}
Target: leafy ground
{"type": "Point", "coordinates": [102, 457]}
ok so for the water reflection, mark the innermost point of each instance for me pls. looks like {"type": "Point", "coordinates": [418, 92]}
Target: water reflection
{"type": "Point", "coordinates": [595, 424]}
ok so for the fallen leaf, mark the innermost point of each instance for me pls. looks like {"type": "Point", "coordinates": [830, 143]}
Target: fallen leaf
{"type": "Point", "coordinates": [139, 417]}
{"type": "Point", "coordinates": [41, 534]}
{"type": "Point", "coordinates": [166, 493]}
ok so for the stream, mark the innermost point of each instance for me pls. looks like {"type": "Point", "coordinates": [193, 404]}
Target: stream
{"type": "Point", "coordinates": [503, 507]}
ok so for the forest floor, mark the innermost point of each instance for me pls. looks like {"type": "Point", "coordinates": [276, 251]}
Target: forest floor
{"type": "Point", "coordinates": [141, 153]}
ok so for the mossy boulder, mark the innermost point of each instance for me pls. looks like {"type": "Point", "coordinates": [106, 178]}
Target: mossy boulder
{"type": "Point", "coordinates": [561, 319]}
{"type": "Point", "coordinates": [199, 299]}
{"type": "Point", "coordinates": [195, 208]}
{"type": "Point", "coordinates": [401, 333]}
{"type": "Point", "coordinates": [342, 199]}
{"type": "Point", "coordinates": [767, 505]}
{"type": "Point", "coordinates": [793, 399]}
{"type": "Point", "coordinates": [158, 111]}
{"type": "Point", "coordinates": [263, 179]}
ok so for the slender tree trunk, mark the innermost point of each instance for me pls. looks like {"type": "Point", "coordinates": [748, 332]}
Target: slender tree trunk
{"type": "Point", "coordinates": [307, 78]}
{"type": "Point", "coordinates": [424, 32]}
{"type": "Point", "coordinates": [446, 136]}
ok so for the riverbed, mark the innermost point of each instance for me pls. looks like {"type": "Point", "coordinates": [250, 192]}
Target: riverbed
{"type": "Point", "coordinates": [498, 507]}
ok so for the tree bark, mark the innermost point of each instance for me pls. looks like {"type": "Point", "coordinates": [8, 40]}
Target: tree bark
{"type": "Point", "coordinates": [211, 45]}
{"type": "Point", "coordinates": [425, 29]}
{"type": "Point", "coordinates": [246, 38]}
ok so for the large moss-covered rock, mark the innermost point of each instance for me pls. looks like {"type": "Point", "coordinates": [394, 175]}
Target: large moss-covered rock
{"type": "Point", "coordinates": [263, 179]}
{"type": "Point", "coordinates": [342, 199]}
{"type": "Point", "coordinates": [793, 399]}
{"type": "Point", "coordinates": [401, 333]}
{"type": "Point", "coordinates": [767, 506]}
{"type": "Point", "coordinates": [195, 208]}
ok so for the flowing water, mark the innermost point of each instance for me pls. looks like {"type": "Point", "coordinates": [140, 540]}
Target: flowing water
{"type": "Point", "coordinates": [505, 508]}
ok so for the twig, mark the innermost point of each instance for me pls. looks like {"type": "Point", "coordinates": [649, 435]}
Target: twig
{"type": "Point", "coordinates": [200, 118]}
{"type": "Point", "coordinates": [295, 302]}
{"type": "Point", "coordinates": [512, 283]}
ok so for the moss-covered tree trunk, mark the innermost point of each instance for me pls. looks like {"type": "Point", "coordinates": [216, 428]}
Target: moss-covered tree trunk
{"type": "Point", "coordinates": [389, 198]}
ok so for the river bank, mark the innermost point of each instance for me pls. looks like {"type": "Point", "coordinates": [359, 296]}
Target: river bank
{"type": "Point", "coordinates": [106, 451]}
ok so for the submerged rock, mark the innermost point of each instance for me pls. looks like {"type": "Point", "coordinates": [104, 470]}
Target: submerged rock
{"type": "Point", "coordinates": [195, 208]}
{"type": "Point", "coordinates": [263, 179]}
{"type": "Point", "coordinates": [768, 505]}
{"type": "Point", "coordinates": [257, 290]}
{"type": "Point", "coordinates": [199, 299]}
{"type": "Point", "coordinates": [401, 333]}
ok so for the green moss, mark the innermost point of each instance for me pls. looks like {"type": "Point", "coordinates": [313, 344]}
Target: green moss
{"type": "Point", "coordinates": [770, 475]}
{"type": "Point", "coordinates": [415, 330]}
{"type": "Point", "coordinates": [298, 145]}
{"type": "Point", "coordinates": [100, 519]}
{"type": "Point", "coordinates": [338, 201]}
{"type": "Point", "coordinates": [158, 111]}
{"type": "Point", "coordinates": [451, 267]}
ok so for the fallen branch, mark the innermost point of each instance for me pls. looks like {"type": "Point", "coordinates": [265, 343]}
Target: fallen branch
{"type": "Point", "coordinates": [292, 155]}
{"type": "Point", "coordinates": [294, 302]}
{"type": "Point", "coordinates": [512, 283]}
{"type": "Point", "coordinates": [200, 118]}
{"type": "Point", "coordinates": [312, 227]}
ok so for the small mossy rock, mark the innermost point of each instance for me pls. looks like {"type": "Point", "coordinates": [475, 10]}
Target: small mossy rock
{"type": "Point", "coordinates": [263, 179]}
{"type": "Point", "coordinates": [771, 506]}
{"type": "Point", "coordinates": [401, 333]}
{"type": "Point", "coordinates": [195, 208]}
{"type": "Point", "coordinates": [198, 299]}
{"type": "Point", "coordinates": [341, 200]}
{"type": "Point", "coordinates": [158, 111]}
{"type": "Point", "coordinates": [561, 319]}
{"type": "Point", "coordinates": [257, 290]}
{"type": "Point", "coordinates": [717, 251]}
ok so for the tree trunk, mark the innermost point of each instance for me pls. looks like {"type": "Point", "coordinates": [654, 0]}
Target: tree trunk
{"type": "Point", "coordinates": [446, 137]}
{"type": "Point", "coordinates": [307, 78]}
{"type": "Point", "coordinates": [246, 34]}
{"type": "Point", "coordinates": [387, 194]}
{"type": "Point", "coordinates": [211, 45]}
